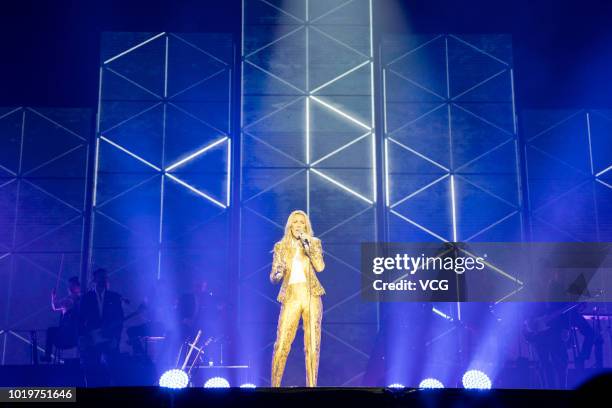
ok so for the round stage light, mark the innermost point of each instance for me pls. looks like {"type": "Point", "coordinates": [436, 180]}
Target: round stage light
{"type": "Point", "coordinates": [174, 378]}
{"type": "Point", "coordinates": [396, 385]}
{"type": "Point", "coordinates": [248, 385]}
{"type": "Point", "coordinates": [217, 382]}
{"type": "Point", "coordinates": [476, 380]}
{"type": "Point", "coordinates": [431, 383]}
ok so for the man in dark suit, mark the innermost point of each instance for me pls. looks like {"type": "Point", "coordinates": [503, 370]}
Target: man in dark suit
{"type": "Point", "coordinates": [101, 322]}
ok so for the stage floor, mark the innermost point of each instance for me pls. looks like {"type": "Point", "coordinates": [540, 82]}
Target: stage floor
{"type": "Point", "coordinates": [153, 396]}
{"type": "Point", "coordinates": [323, 397]}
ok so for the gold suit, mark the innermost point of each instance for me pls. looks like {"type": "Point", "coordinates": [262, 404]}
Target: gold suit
{"type": "Point", "coordinates": [298, 300]}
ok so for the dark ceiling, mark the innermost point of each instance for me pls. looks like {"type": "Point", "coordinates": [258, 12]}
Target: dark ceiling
{"type": "Point", "coordinates": [562, 49]}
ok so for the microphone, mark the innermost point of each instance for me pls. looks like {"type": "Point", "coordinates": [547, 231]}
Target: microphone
{"type": "Point", "coordinates": [304, 240]}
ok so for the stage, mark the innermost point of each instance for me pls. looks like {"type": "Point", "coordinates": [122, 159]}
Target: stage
{"type": "Point", "coordinates": [330, 396]}
{"type": "Point", "coordinates": [326, 396]}
{"type": "Point", "coordinates": [67, 375]}
{"type": "Point", "coordinates": [253, 192]}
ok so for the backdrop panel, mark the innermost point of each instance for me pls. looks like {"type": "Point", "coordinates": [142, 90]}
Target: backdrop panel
{"type": "Point", "coordinates": [451, 173]}
{"type": "Point", "coordinates": [43, 178]}
{"type": "Point", "coordinates": [308, 143]}
{"type": "Point", "coordinates": [163, 161]}
{"type": "Point", "coordinates": [568, 166]}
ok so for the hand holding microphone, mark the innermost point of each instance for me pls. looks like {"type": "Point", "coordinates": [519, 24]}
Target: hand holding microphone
{"type": "Point", "coordinates": [305, 239]}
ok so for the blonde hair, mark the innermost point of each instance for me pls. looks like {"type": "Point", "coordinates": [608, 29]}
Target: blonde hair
{"type": "Point", "coordinates": [286, 240]}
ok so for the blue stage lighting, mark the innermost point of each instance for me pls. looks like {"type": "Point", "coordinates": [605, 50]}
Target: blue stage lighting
{"type": "Point", "coordinates": [248, 385]}
{"type": "Point", "coordinates": [476, 380]}
{"type": "Point", "coordinates": [430, 383]}
{"type": "Point", "coordinates": [174, 378]}
{"type": "Point", "coordinates": [217, 382]}
{"type": "Point", "coordinates": [396, 385]}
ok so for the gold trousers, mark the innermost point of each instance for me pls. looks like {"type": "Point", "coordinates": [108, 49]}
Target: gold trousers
{"type": "Point", "coordinates": [298, 303]}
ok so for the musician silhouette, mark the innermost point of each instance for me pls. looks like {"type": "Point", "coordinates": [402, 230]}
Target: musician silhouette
{"type": "Point", "coordinates": [101, 323]}
{"type": "Point", "coordinates": [66, 334]}
{"type": "Point", "coordinates": [549, 328]}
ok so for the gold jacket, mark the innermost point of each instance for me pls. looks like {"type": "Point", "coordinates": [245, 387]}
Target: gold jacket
{"type": "Point", "coordinates": [316, 263]}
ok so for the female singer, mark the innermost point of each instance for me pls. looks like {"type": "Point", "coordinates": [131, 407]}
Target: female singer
{"type": "Point", "coordinates": [296, 258]}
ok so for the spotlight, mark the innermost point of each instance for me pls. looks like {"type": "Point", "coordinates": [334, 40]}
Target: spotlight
{"type": "Point", "coordinates": [174, 378]}
{"type": "Point", "coordinates": [396, 385]}
{"type": "Point", "coordinates": [248, 385]}
{"type": "Point", "coordinates": [430, 383]}
{"type": "Point", "coordinates": [217, 382]}
{"type": "Point", "coordinates": [476, 380]}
